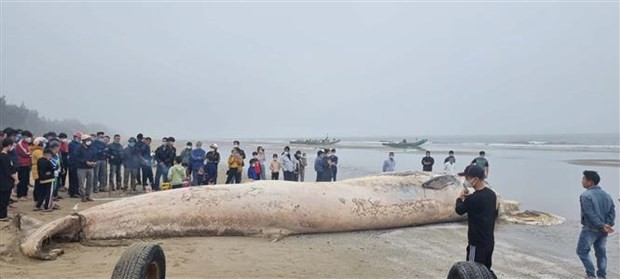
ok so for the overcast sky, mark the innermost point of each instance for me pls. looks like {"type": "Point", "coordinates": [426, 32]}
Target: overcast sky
{"type": "Point", "coordinates": [213, 70]}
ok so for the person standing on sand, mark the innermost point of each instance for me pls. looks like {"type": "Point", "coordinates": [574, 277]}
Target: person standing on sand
{"type": "Point", "coordinates": [186, 156]}
{"type": "Point", "coordinates": [36, 151]}
{"type": "Point", "coordinates": [288, 163]}
{"type": "Point", "coordinates": [145, 162]}
{"type": "Point", "coordinates": [131, 165]}
{"type": "Point", "coordinates": [450, 156]}
{"type": "Point", "coordinates": [25, 164]}
{"type": "Point", "coordinates": [197, 163]}
{"type": "Point", "coordinates": [263, 162]}
{"type": "Point", "coordinates": [8, 178]}
{"type": "Point", "coordinates": [74, 185]}
{"type": "Point", "coordinates": [303, 163]}
{"type": "Point", "coordinates": [482, 162]}
{"type": "Point", "coordinates": [237, 145]}
{"type": "Point", "coordinates": [86, 162]}
{"type": "Point", "coordinates": [448, 167]}
{"type": "Point", "coordinates": [598, 214]}
{"type": "Point", "coordinates": [235, 167]}
{"type": "Point", "coordinates": [116, 161]}
{"type": "Point", "coordinates": [101, 169]}
{"type": "Point", "coordinates": [164, 155]}
{"type": "Point", "coordinates": [334, 164]}
{"type": "Point", "coordinates": [275, 167]}
{"type": "Point", "coordinates": [320, 166]}
{"type": "Point", "coordinates": [428, 162]}
{"type": "Point", "coordinates": [389, 165]}
{"type": "Point", "coordinates": [213, 160]}
{"type": "Point", "coordinates": [481, 209]}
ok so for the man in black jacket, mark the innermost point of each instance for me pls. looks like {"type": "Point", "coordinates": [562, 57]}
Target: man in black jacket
{"type": "Point", "coordinates": [481, 209]}
{"type": "Point", "coordinates": [164, 155]}
{"type": "Point", "coordinates": [85, 158]}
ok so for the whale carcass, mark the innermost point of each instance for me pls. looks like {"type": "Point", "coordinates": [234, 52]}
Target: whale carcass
{"type": "Point", "coordinates": [264, 208]}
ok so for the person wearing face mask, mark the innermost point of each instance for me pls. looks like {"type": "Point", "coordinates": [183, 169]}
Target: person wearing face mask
{"type": "Point", "coordinates": [186, 158]}
{"type": "Point", "coordinates": [262, 161]}
{"type": "Point", "coordinates": [8, 178]}
{"type": "Point", "coordinates": [236, 145]}
{"type": "Point", "coordinates": [481, 208]}
{"type": "Point", "coordinates": [24, 164]}
{"type": "Point", "coordinates": [197, 161]}
{"type": "Point", "coordinates": [389, 165]}
{"type": "Point", "coordinates": [131, 165]}
{"type": "Point", "coordinates": [288, 164]}
{"type": "Point", "coordinates": [86, 161]}
{"type": "Point", "coordinates": [100, 171]}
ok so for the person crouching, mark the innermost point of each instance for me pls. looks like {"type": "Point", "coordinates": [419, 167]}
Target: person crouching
{"type": "Point", "coordinates": [45, 169]}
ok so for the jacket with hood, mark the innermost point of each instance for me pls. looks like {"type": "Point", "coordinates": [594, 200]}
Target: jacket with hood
{"type": "Point", "coordinates": [36, 154]}
{"type": "Point", "coordinates": [23, 154]}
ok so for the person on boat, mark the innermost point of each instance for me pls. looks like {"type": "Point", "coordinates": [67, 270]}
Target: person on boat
{"type": "Point", "coordinates": [389, 165]}
{"type": "Point", "coordinates": [450, 156]}
{"type": "Point", "coordinates": [334, 164]}
{"type": "Point", "coordinates": [428, 162]}
{"type": "Point", "coordinates": [482, 162]}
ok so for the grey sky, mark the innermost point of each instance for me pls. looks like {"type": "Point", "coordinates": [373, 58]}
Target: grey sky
{"type": "Point", "coordinates": [213, 70]}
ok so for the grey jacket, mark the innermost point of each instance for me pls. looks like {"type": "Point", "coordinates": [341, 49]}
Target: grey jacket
{"type": "Point", "coordinates": [597, 209]}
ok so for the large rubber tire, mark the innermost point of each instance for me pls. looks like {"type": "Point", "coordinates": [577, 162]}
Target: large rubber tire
{"type": "Point", "coordinates": [141, 261]}
{"type": "Point", "coordinates": [469, 270]}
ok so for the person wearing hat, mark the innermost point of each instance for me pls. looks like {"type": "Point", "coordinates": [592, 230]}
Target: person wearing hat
{"type": "Point", "coordinates": [213, 160]}
{"type": "Point", "coordinates": [74, 145]}
{"type": "Point", "coordinates": [481, 209]}
{"type": "Point", "coordinates": [85, 158]}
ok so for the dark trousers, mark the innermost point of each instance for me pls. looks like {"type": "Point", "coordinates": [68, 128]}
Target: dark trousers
{"type": "Point", "coordinates": [289, 176]}
{"type": "Point", "coordinates": [55, 187]}
{"type": "Point", "coordinates": [62, 177]}
{"type": "Point", "coordinates": [5, 196]}
{"type": "Point", "coordinates": [334, 173]}
{"type": "Point", "coordinates": [275, 175]}
{"type": "Point", "coordinates": [480, 254]}
{"type": "Point", "coordinates": [35, 193]}
{"type": "Point", "coordinates": [23, 173]}
{"type": "Point", "coordinates": [234, 176]}
{"type": "Point", "coordinates": [115, 177]}
{"type": "Point", "coordinates": [45, 195]}
{"type": "Point", "coordinates": [147, 175]}
{"type": "Point", "coordinates": [177, 186]}
{"type": "Point", "coordinates": [74, 184]}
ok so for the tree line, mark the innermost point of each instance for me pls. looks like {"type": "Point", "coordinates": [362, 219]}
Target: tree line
{"type": "Point", "coordinates": [21, 117]}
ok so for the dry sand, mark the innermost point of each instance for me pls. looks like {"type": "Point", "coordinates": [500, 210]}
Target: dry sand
{"type": "Point", "coordinates": [418, 252]}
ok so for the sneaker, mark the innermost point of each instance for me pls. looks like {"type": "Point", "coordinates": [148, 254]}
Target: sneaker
{"type": "Point", "coordinates": [95, 191]}
{"type": "Point", "coordinates": [75, 196]}
{"type": "Point", "coordinates": [90, 200]}
{"type": "Point", "coordinates": [59, 197]}
{"type": "Point", "coordinates": [84, 200]}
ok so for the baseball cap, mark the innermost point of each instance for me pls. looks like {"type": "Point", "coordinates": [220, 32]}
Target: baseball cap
{"type": "Point", "coordinates": [214, 145]}
{"type": "Point", "coordinates": [473, 171]}
{"type": "Point", "coordinates": [77, 134]}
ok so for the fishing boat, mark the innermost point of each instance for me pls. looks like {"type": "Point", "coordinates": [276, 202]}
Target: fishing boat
{"type": "Point", "coordinates": [405, 144]}
{"type": "Point", "coordinates": [325, 141]}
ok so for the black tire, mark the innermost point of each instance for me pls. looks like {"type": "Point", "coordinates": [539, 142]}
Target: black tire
{"type": "Point", "coordinates": [469, 270]}
{"type": "Point", "coordinates": [141, 261]}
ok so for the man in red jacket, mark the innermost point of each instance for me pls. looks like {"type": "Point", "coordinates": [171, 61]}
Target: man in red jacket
{"type": "Point", "coordinates": [24, 164]}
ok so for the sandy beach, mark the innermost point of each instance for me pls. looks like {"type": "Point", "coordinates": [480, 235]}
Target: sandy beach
{"type": "Point", "coordinates": [416, 252]}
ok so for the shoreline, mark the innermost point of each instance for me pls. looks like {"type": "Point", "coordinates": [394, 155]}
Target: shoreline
{"type": "Point", "coordinates": [595, 162]}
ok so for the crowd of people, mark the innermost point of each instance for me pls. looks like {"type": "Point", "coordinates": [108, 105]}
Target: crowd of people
{"type": "Point", "coordinates": [389, 165]}
{"type": "Point", "coordinates": [92, 163]}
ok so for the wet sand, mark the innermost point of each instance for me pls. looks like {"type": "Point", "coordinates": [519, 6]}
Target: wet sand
{"type": "Point", "coordinates": [416, 252]}
{"type": "Point", "coordinates": [596, 162]}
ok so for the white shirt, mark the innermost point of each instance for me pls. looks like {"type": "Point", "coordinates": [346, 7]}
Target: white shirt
{"type": "Point", "coordinates": [448, 167]}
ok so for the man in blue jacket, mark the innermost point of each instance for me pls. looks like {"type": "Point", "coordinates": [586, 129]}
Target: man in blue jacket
{"type": "Point", "coordinates": [100, 178]}
{"type": "Point", "coordinates": [598, 214]}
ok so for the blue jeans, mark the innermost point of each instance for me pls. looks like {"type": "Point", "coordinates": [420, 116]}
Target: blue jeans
{"type": "Point", "coordinates": [161, 171]}
{"type": "Point", "coordinates": [587, 238]}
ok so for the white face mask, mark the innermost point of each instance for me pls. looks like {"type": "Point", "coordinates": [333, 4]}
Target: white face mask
{"type": "Point", "coordinates": [88, 143]}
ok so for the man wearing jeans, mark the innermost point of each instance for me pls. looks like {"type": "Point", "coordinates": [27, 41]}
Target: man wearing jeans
{"type": "Point", "coordinates": [597, 217]}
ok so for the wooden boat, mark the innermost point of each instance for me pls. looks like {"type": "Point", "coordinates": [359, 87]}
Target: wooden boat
{"type": "Point", "coordinates": [405, 144]}
{"type": "Point", "coordinates": [321, 142]}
